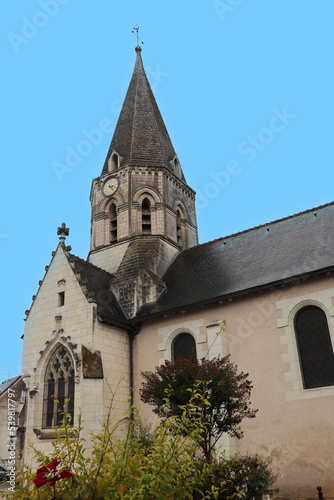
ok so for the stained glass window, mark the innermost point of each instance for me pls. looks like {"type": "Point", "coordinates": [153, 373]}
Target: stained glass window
{"type": "Point", "coordinates": [184, 346]}
{"type": "Point", "coordinates": [315, 347]}
{"type": "Point", "coordinates": [58, 389]}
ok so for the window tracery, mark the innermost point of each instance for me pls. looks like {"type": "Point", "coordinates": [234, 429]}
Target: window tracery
{"type": "Point", "coordinates": [58, 388]}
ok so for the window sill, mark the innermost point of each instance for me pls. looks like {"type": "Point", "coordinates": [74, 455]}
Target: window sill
{"type": "Point", "coordinates": [51, 434]}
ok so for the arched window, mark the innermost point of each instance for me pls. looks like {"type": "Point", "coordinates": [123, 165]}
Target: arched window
{"type": "Point", "coordinates": [178, 228]}
{"type": "Point", "coordinates": [184, 346]}
{"type": "Point", "coordinates": [58, 388]}
{"type": "Point", "coordinates": [113, 223]}
{"type": "Point", "coordinates": [315, 347]}
{"type": "Point", "coordinates": [146, 217]}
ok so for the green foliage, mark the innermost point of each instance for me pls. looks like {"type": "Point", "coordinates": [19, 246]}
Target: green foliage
{"type": "Point", "coordinates": [115, 468]}
{"type": "Point", "coordinates": [143, 433]}
{"type": "Point", "coordinates": [238, 477]}
{"type": "Point", "coordinates": [221, 405]}
{"type": "Point", "coordinates": [139, 467]}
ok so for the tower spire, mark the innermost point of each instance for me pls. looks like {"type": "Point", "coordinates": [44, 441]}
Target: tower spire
{"type": "Point", "coordinates": [140, 138]}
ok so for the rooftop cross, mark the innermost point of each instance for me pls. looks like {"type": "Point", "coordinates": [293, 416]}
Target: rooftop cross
{"type": "Point", "coordinates": [62, 232]}
{"type": "Point", "coordinates": [135, 31]}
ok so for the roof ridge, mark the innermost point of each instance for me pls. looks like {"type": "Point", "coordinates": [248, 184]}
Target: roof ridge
{"type": "Point", "coordinates": [138, 58]}
{"type": "Point", "coordinates": [154, 116]}
{"type": "Point", "coordinates": [271, 223]}
{"type": "Point", "coordinates": [90, 264]}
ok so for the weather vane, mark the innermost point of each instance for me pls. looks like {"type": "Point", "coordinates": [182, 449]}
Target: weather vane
{"type": "Point", "coordinates": [135, 31]}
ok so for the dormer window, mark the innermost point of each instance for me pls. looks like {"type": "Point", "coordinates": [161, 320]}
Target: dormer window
{"type": "Point", "coordinates": [175, 164]}
{"type": "Point", "coordinates": [113, 163]}
{"type": "Point", "coordinates": [146, 217]}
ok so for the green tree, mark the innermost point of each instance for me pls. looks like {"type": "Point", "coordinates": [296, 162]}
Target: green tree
{"type": "Point", "coordinates": [221, 404]}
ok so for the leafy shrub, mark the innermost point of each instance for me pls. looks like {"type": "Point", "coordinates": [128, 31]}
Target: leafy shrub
{"type": "Point", "coordinates": [137, 467]}
{"type": "Point", "coordinates": [222, 402]}
{"type": "Point", "coordinates": [238, 477]}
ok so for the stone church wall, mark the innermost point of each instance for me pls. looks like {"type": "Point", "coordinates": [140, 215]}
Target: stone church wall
{"type": "Point", "coordinates": [72, 325]}
{"type": "Point", "coordinates": [293, 426]}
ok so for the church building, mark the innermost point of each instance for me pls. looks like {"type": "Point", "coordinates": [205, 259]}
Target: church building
{"type": "Point", "coordinates": [148, 292]}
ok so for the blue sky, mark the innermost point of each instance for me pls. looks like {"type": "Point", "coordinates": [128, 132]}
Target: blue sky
{"type": "Point", "coordinates": [245, 89]}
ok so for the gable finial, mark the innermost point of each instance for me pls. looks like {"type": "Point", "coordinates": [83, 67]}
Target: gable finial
{"type": "Point", "coordinates": [135, 32]}
{"type": "Point", "coordinates": [62, 232]}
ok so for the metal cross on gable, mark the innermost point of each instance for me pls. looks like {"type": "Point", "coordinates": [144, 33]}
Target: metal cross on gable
{"type": "Point", "coordinates": [135, 32]}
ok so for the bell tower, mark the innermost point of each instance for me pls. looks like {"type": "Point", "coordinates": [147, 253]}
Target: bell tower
{"type": "Point", "coordinates": [143, 211]}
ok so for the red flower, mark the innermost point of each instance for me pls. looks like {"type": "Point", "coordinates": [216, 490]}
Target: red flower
{"type": "Point", "coordinates": [52, 465]}
{"type": "Point", "coordinates": [65, 474]}
{"type": "Point", "coordinates": [41, 478]}
{"type": "Point", "coordinates": [42, 470]}
{"type": "Point", "coordinates": [39, 481]}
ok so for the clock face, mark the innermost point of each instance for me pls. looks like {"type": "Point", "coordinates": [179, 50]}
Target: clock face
{"type": "Point", "coordinates": [110, 187]}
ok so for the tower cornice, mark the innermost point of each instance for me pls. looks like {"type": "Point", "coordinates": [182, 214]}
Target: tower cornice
{"type": "Point", "coordinates": [145, 169]}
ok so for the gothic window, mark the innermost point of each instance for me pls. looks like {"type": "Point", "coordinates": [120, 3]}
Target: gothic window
{"type": "Point", "coordinates": [315, 347]}
{"type": "Point", "coordinates": [146, 217]}
{"type": "Point", "coordinates": [184, 347]}
{"type": "Point", "coordinates": [178, 228]}
{"type": "Point", "coordinates": [113, 223]}
{"type": "Point", "coordinates": [58, 388]}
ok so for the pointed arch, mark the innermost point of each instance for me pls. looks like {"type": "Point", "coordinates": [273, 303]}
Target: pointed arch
{"type": "Point", "coordinates": [59, 388]}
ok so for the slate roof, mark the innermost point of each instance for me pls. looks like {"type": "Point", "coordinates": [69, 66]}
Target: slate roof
{"type": "Point", "coordinates": [95, 283]}
{"type": "Point", "coordinates": [280, 251]}
{"type": "Point", "coordinates": [140, 136]}
{"type": "Point", "coordinates": [6, 384]}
